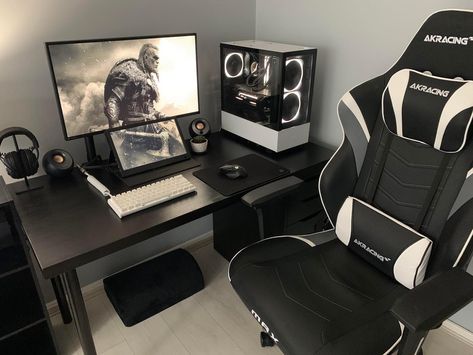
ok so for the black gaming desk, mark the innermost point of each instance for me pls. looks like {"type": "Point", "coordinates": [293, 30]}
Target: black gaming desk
{"type": "Point", "coordinates": [68, 223]}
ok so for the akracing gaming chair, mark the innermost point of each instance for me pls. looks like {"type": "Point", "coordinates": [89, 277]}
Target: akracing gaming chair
{"type": "Point", "coordinates": [399, 193]}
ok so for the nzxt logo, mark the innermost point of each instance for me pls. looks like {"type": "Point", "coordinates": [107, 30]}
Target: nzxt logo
{"type": "Point", "coordinates": [265, 327]}
{"type": "Point", "coordinates": [429, 90]}
{"type": "Point", "coordinates": [371, 251]}
{"type": "Point", "coordinates": [448, 39]}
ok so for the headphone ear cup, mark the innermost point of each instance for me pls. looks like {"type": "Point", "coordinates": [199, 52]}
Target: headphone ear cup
{"type": "Point", "coordinates": [23, 164]}
{"type": "Point", "coordinates": [30, 163]}
{"type": "Point", "coordinates": [34, 163]}
{"type": "Point", "coordinates": [6, 161]}
{"type": "Point", "coordinates": [13, 161]}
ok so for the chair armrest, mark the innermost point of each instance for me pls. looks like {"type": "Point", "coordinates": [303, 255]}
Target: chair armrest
{"type": "Point", "coordinates": [278, 188]}
{"type": "Point", "coordinates": [429, 304]}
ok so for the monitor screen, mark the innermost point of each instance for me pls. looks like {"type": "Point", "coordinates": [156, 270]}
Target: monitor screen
{"type": "Point", "coordinates": [110, 83]}
{"type": "Point", "coordinates": [148, 146]}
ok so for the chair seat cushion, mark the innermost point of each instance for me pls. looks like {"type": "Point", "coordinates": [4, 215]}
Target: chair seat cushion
{"type": "Point", "coordinates": [321, 299]}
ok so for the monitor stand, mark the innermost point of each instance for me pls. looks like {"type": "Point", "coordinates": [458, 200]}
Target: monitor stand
{"type": "Point", "coordinates": [95, 161]}
{"type": "Point", "coordinates": [155, 174]}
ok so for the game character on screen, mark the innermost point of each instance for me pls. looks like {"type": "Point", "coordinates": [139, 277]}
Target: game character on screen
{"type": "Point", "coordinates": [131, 89]}
{"type": "Point", "coordinates": [138, 147]}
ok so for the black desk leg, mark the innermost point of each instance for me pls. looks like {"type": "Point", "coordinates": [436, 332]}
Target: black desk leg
{"type": "Point", "coordinates": [61, 300]}
{"type": "Point", "coordinates": [79, 313]}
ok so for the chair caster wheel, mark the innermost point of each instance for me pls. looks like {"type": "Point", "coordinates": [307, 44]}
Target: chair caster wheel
{"type": "Point", "coordinates": [266, 340]}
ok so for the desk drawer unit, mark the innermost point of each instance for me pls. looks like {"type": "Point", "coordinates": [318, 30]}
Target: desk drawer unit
{"type": "Point", "coordinates": [304, 211]}
{"type": "Point", "coordinates": [236, 226]}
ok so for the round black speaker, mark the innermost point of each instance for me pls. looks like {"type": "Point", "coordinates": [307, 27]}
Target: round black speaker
{"type": "Point", "coordinates": [199, 127]}
{"type": "Point", "coordinates": [58, 163]}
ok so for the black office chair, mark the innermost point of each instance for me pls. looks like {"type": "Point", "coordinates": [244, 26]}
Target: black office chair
{"type": "Point", "coordinates": [399, 192]}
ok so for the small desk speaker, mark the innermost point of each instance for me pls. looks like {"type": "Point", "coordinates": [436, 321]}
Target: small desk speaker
{"type": "Point", "coordinates": [58, 163]}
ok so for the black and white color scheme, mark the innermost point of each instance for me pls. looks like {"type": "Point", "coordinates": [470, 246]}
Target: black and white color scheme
{"type": "Point", "coordinates": [315, 295]}
{"type": "Point", "coordinates": [103, 84]}
{"type": "Point", "coordinates": [389, 245]}
{"type": "Point", "coordinates": [433, 110]}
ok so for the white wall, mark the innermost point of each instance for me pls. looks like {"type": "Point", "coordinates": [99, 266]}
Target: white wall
{"type": "Point", "coordinates": [26, 90]}
{"type": "Point", "coordinates": [357, 40]}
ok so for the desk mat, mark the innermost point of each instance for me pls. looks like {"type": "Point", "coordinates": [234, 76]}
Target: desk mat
{"type": "Point", "coordinates": [260, 171]}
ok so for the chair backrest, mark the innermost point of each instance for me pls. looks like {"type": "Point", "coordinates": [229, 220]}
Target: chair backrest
{"type": "Point", "coordinates": [416, 183]}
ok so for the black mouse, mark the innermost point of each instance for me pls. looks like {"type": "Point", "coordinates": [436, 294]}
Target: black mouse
{"type": "Point", "coordinates": [233, 171]}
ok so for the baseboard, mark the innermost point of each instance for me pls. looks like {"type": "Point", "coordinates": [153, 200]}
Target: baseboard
{"type": "Point", "coordinates": [458, 332]}
{"type": "Point", "coordinates": [95, 288]}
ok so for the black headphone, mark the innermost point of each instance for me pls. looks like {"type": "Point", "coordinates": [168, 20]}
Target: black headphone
{"type": "Point", "coordinates": [22, 162]}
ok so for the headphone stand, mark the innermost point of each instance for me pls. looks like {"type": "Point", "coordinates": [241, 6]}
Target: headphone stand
{"type": "Point", "coordinates": [30, 186]}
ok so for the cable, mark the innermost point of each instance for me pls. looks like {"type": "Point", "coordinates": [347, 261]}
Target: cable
{"type": "Point", "coordinates": [95, 183]}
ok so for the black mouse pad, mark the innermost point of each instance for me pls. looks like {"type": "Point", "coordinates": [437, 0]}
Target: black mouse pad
{"type": "Point", "coordinates": [260, 171]}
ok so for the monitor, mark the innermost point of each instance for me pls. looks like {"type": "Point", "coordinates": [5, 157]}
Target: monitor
{"type": "Point", "coordinates": [111, 83]}
{"type": "Point", "coordinates": [149, 146]}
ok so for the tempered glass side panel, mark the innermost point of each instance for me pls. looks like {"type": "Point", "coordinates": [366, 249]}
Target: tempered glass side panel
{"type": "Point", "coordinates": [251, 84]}
{"type": "Point", "coordinates": [297, 89]}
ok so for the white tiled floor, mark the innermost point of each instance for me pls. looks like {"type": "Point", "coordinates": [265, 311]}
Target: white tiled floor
{"type": "Point", "coordinates": [213, 321]}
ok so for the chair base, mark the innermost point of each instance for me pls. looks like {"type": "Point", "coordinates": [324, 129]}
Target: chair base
{"type": "Point", "coordinates": [266, 340]}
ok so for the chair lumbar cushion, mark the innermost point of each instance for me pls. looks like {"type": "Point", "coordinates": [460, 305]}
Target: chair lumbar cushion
{"type": "Point", "coordinates": [429, 109]}
{"type": "Point", "coordinates": [391, 246]}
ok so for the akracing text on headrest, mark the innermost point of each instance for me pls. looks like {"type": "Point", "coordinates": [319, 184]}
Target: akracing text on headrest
{"type": "Point", "coordinates": [429, 90]}
{"type": "Point", "coordinates": [448, 39]}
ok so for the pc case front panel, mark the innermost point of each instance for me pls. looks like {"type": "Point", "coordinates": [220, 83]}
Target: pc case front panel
{"type": "Point", "coordinates": [297, 89]}
{"type": "Point", "coordinates": [251, 84]}
{"type": "Point", "coordinates": [277, 141]}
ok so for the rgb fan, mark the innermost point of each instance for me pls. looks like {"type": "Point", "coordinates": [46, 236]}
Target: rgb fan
{"type": "Point", "coordinates": [233, 65]}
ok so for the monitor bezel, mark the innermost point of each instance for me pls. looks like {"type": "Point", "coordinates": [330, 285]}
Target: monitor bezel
{"type": "Point", "coordinates": [56, 91]}
{"type": "Point", "coordinates": [150, 166]}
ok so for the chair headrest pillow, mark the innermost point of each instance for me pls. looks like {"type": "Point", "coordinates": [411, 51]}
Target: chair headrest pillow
{"type": "Point", "coordinates": [429, 109]}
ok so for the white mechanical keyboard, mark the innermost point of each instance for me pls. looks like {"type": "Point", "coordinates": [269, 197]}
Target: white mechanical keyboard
{"type": "Point", "coordinates": [150, 195]}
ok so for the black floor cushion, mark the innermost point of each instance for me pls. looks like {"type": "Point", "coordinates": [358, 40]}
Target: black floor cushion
{"type": "Point", "coordinates": [142, 291]}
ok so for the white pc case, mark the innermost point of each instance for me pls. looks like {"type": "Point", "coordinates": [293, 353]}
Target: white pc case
{"type": "Point", "coordinates": [267, 92]}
